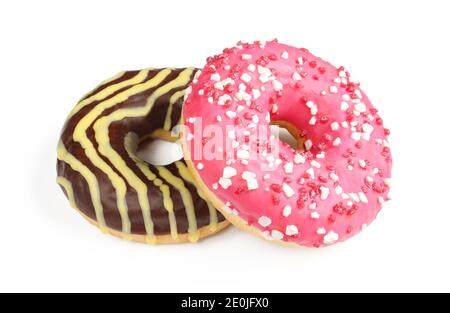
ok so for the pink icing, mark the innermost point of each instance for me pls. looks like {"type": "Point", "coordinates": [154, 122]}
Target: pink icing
{"type": "Point", "coordinates": [321, 195]}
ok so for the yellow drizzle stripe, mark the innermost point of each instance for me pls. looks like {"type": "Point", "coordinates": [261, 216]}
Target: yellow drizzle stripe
{"type": "Point", "coordinates": [91, 180]}
{"type": "Point", "coordinates": [193, 233]}
{"type": "Point", "coordinates": [80, 136]}
{"type": "Point", "coordinates": [131, 141]}
{"type": "Point", "coordinates": [101, 128]}
{"type": "Point", "coordinates": [140, 77]}
{"type": "Point", "coordinates": [173, 99]}
{"type": "Point", "coordinates": [67, 185]}
{"type": "Point", "coordinates": [186, 175]}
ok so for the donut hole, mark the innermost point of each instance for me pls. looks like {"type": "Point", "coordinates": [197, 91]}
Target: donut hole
{"type": "Point", "coordinates": [159, 152]}
{"type": "Point", "coordinates": [288, 134]}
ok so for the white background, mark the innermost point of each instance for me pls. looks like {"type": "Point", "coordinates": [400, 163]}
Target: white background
{"type": "Point", "coordinates": [52, 52]}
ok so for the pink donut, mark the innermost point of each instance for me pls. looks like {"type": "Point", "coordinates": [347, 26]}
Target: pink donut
{"type": "Point", "coordinates": [323, 193]}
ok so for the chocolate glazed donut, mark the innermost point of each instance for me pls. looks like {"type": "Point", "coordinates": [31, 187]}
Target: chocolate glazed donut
{"type": "Point", "coordinates": [104, 179]}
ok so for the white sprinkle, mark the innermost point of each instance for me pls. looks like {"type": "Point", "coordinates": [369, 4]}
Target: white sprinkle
{"type": "Point", "coordinates": [314, 110]}
{"type": "Point", "coordinates": [337, 142]}
{"type": "Point", "coordinates": [215, 186]}
{"type": "Point", "coordinates": [312, 121]}
{"type": "Point", "coordinates": [224, 99]}
{"type": "Point", "coordinates": [285, 55]}
{"type": "Point", "coordinates": [264, 221]}
{"type": "Point", "coordinates": [264, 70]}
{"type": "Point", "coordinates": [345, 124]}
{"type": "Point", "coordinates": [321, 155]}
{"type": "Point", "coordinates": [356, 136]}
{"type": "Point", "coordinates": [344, 106]}
{"type": "Point", "coordinates": [333, 89]}
{"type": "Point", "coordinates": [350, 167]}
{"type": "Point", "coordinates": [337, 80]}
{"type": "Point", "coordinates": [231, 134]}
{"type": "Point", "coordinates": [200, 166]}
{"type": "Point", "coordinates": [190, 137]}
{"type": "Point", "coordinates": [287, 211]}
{"type": "Point", "coordinates": [288, 191]}
{"type": "Point", "coordinates": [369, 179]}
{"type": "Point", "coordinates": [201, 92]}
{"type": "Point", "coordinates": [313, 206]}
{"type": "Point", "coordinates": [315, 215]}
{"type": "Point", "coordinates": [346, 97]}
{"type": "Point", "coordinates": [315, 164]}
{"type": "Point", "coordinates": [289, 168]}
{"type": "Point", "coordinates": [324, 193]}
{"type": "Point", "coordinates": [229, 172]}
{"type": "Point", "coordinates": [363, 197]}
{"type": "Point", "coordinates": [354, 196]}
{"type": "Point", "coordinates": [296, 76]}
{"type": "Point", "coordinates": [300, 60]}
{"type": "Point", "coordinates": [309, 104]}
{"type": "Point", "coordinates": [345, 196]}
{"type": "Point", "coordinates": [367, 128]}
{"type": "Point", "coordinates": [250, 177]}
{"type": "Point", "coordinates": [387, 181]}
{"type": "Point", "coordinates": [266, 177]}
{"type": "Point", "coordinates": [215, 77]}
{"type": "Point", "coordinates": [342, 74]}
{"type": "Point", "coordinates": [334, 126]}
{"type": "Point", "coordinates": [219, 118]}
{"type": "Point", "coordinates": [334, 177]}
{"type": "Point", "coordinates": [246, 56]}
{"type": "Point", "coordinates": [256, 93]}
{"type": "Point", "coordinates": [360, 107]}
{"type": "Point", "coordinates": [246, 78]}
{"type": "Point", "coordinates": [251, 67]}
{"type": "Point", "coordinates": [210, 100]}
{"type": "Point", "coordinates": [191, 120]}
{"type": "Point", "coordinates": [277, 85]}
{"type": "Point", "coordinates": [291, 230]}
{"type": "Point", "coordinates": [247, 175]}
{"type": "Point", "coordinates": [255, 119]}
{"type": "Point", "coordinates": [225, 182]}
{"type": "Point", "coordinates": [338, 190]}
{"type": "Point", "coordinates": [231, 114]}
{"type": "Point", "coordinates": [310, 171]}
{"type": "Point", "coordinates": [358, 93]}
{"type": "Point", "coordinates": [277, 235]}
{"type": "Point", "coordinates": [362, 163]}
{"type": "Point", "coordinates": [243, 154]}
{"type": "Point", "coordinates": [274, 108]}
{"type": "Point", "coordinates": [299, 158]}
{"type": "Point", "coordinates": [330, 238]}
{"type": "Point", "coordinates": [381, 200]}
{"type": "Point", "coordinates": [308, 144]}
{"type": "Point", "coordinates": [321, 231]}
{"type": "Point", "coordinates": [264, 78]}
